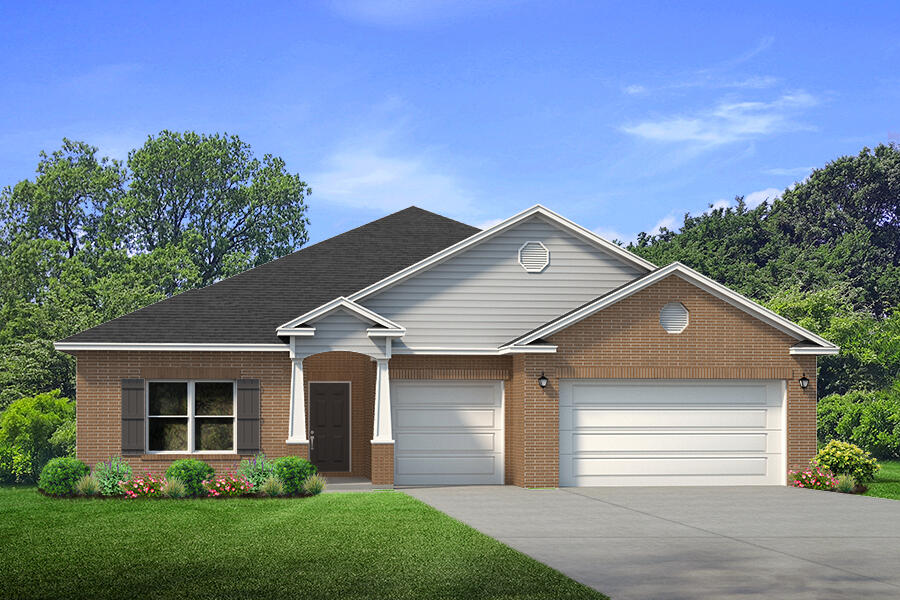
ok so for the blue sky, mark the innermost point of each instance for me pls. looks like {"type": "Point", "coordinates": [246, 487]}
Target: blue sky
{"type": "Point", "coordinates": [620, 116]}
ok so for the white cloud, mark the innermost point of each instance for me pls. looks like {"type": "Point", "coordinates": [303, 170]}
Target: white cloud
{"type": "Point", "coordinates": [668, 222]}
{"type": "Point", "coordinates": [404, 13]}
{"type": "Point", "coordinates": [489, 223]}
{"type": "Point", "coordinates": [611, 235]}
{"type": "Point", "coordinates": [792, 171]}
{"type": "Point", "coordinates": [370, 175]}
{"type": "Point", "coordinates": [634, 89]}
{"type": "Point", "coordinates": [754, 199]}
{"type": "Point", "coordinates": [720, 204]}
{"type": "Point", "coordinates": [726, 122]}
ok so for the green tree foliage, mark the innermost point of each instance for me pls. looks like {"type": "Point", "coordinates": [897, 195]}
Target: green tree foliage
{"type": "Point", "coordinates": [27, 435]}
{"type": "Point", "coordinates": [210, 195]}
{"type": "Point", "coordinates": [89, 239]}
{"type": "Point", "coordinates": [826, 254]}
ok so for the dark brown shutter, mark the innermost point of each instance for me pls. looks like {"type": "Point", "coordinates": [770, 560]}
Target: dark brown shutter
{"type": "Point", "coordinates": [247, 415]}
{"type": "Point", "coordinates": [133, 415]}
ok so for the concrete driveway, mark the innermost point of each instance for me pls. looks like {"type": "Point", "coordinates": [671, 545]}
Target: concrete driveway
{"type": "Point", "coordinates": [711, 542]}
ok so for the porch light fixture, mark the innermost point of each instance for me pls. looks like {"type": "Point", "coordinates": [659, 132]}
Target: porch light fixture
{"type": "Point", "coordinates": [542, 380]}
{"type": "Point", "coordinates": [804, 382]}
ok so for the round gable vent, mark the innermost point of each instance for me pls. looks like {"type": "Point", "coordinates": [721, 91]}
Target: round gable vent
{"type": "Point", "coordinates": [534, 257]}
{"type": "Point", "coordinates": [673, 317]}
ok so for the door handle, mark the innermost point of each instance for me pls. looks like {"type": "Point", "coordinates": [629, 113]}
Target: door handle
{"type": "Point", "coordinates": [312, 440]}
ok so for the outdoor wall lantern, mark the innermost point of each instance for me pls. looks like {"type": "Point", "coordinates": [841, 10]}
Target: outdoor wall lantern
{"type": "Point", "coordinates": [804, 382]}
{"type": "Point", "coordinates": [542, 380]}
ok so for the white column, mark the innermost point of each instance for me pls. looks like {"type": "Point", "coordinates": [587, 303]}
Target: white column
{"type": "Point", "coordinates": [297, 426]}
{"type": "Point", "coordinates": [382, 433]}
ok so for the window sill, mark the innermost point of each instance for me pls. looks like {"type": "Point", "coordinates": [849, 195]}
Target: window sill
{"type": "Point", "coordinates": [161, 456]}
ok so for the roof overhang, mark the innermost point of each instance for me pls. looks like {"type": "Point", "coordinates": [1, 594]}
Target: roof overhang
{"type": "Point", "coordinates": [169, 347]}
{"type": "Point", "coordinates": [536, 210]}
{"type": "Point", "coordinates": [814, 343]}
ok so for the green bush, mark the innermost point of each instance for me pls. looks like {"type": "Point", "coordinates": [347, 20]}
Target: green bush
{"type": "Point", "coordinates": [110, 474]}
{"type": "Point", "coordinates": [871, 420]}
{"type": "Point", "coordinates": [87, 486]}
{"type": "Point", "coordinates": [314, 485]}
{"type": "Point", "coordinates": [27, 438]}
{"type": "Point", "coordinates": [257, 470]}
{"type": "Point", "coordinates": [60, 475]}
{"type": "Point", "coordinates": [192, 473]}
{"type": "Point", "coordinates": [271, 487]}
{"type": "Point", "coordinates": [292, 471]}
{"type": "Point", "coordinates": [843, 458]}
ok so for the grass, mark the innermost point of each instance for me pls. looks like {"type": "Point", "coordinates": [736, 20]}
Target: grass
{"type": "Point", "coordinates": [887, 481]}
{"type": "Point", "coordinates": [362, 545]}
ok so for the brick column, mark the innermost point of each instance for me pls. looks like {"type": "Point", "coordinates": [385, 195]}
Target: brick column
{"type": "Point", "coordinates": [382, 464]}
{"type": "Point", "coordinates": [540, 421]}
{"type": "Point", "coordinates": [801, 414]}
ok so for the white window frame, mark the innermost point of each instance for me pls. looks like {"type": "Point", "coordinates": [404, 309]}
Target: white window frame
{"type": "Point", "coordinates": [191, 416]}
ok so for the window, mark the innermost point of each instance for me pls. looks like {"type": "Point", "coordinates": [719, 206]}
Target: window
{"type": "Point", "coordinates": [190, 416]}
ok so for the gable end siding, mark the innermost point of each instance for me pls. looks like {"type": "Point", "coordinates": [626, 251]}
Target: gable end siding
{"type": "Point", "coordinates": [484, 298]}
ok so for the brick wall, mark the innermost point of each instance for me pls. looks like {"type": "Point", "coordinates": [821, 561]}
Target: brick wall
{"type": "Point", "coordinates": [383, 464]}
{"type": "Point", "coordinates": [625, 340]}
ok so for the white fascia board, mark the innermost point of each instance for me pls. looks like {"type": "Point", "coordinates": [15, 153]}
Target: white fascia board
{"type": "Point", "coordinates": [692, 276]}
{"type": "Point", "coordinates": [379, 332]}
{"type": "Point", "coordinates": [542, 349]}
{"type": "Point", "coordinates": [167, 347]}
{"type": "Point", "coordinates": [338, 303]}
{"type": "Point", "coordinates": [815, 351]}
{"type": "Point", "coordinates": [297, 331]}
{"type": "Point", "coordinates": [458, 247]}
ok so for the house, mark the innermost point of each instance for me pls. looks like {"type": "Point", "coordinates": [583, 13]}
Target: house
{"type": "Point", "coordinates": [419, 350]}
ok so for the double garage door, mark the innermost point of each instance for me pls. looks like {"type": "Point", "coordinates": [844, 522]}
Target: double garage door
{"type": "Point", "coordinates": [611, 432]}
{"type": "Point", "coordinates": [447, 432]}
{"type": "Point", "coordinates": [658, 432]}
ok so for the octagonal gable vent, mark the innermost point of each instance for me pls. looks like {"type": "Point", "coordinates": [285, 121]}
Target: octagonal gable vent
{"type": "Point", "coordinates": [673, 317]}
{"type": "Point", "coordinates": [534, 257]}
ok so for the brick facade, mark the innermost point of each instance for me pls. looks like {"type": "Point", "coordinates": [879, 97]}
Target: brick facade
{"type": "Point", "coordinates": [624, 340]}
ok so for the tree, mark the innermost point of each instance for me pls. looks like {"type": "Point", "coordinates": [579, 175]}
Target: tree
{"type": "Point", "coordinates": [66, 199]}
{"type": "Point", "coordinates": [210, 195]}
{"type": "Point", "coordinates": [33, 367]}
{"type": "Point", "coordinates": [27, 431]}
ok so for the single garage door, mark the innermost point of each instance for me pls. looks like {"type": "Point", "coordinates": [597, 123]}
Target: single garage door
{"type": "Point", "coordinates": [448, 433]}
{"type": "Point", "coordinates": [666, 432]}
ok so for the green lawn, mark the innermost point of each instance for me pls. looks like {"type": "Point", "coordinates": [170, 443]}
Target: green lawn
{"type": "Point", "coordinates": [887, 481]}
{"type": "Point", "coordinates": [362, 545]}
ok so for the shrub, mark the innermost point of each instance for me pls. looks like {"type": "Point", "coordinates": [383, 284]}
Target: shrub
{"type": "Point", "coordinates": [87, 486]}
{"type": "Point", "coordinates": [173, 487]}
{"type": "Point", "coordinates": [228, 485]}
{"type": "Point", "coordinates": [148, 486]}
{"type": "Point", "coordinates": [314, 485]}
{"type": "Point", "coordinates": [27, 429]}
{"type": "Point", "coordinates": [192, 473]}
{"type": "Point", "coordinates": [871, 420]}
{"type": "Point", "coordinates": [845, 484]}
{"type": "Point", "coordinates": [845, 458]}
{"type": "Point", "coordinates": [292, 471]}
{"type": "Point", "coordinates": [814, 478]}
{"type": "Point", "coordinates": [271, 487]}
{"type": "Point", "coordinates": [257, 470]}
{"type": "Point", "coordinates": [60, 475]}
{"type": "Point", "coordinates": [110, 474]}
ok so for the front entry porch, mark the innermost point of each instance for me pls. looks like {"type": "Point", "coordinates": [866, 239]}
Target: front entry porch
{"type": "Point", "coordinates": [334, 402]}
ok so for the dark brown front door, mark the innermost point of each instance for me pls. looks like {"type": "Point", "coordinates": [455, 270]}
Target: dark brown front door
{"type": "Point", "coordinates": [329, 426]}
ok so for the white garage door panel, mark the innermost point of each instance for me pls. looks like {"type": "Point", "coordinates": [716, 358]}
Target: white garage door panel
{"type": "Point", "coordinates": [644, 417]}
{"type": "Point", "coordinates": [449, 418]}
{"type": "Point", "coordinates": [666, 432]}
{"type": "Point", "coordinates": [670, 442]}
{"type": "Point", "coordinates": [460, 442]}
{"type": "Point", "coordinates": [447, 433]}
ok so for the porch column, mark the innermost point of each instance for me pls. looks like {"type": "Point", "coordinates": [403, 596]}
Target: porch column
{"type": "Point", "coordinates": [297, 426]}
{"type": "Point", "coordinates": [382, 433]}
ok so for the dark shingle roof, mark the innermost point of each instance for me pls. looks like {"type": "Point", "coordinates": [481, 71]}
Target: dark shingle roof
{"type": "Point", "coordinates": [246, 308]}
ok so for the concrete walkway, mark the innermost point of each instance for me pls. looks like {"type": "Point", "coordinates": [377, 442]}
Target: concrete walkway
{"type": "Point", "coordinates": [665, 543]}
